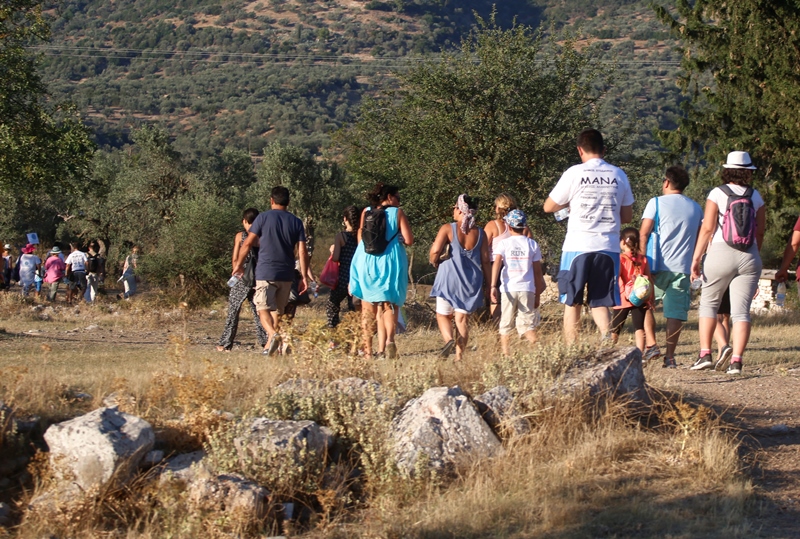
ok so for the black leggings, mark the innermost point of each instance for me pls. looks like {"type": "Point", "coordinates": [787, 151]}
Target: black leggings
{"type": "Point", "coordinates": [620, 315]}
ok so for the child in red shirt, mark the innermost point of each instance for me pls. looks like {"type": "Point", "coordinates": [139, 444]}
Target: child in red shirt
{"type": "Point", "coordinates": [631, 264]}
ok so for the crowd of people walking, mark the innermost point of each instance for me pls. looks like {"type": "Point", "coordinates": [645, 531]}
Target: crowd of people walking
{"type": "Point", "coordinates": [615, 272]}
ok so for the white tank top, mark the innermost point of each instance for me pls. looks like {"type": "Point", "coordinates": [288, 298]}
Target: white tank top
{"type": "Point", "coordinates": [501, 235]}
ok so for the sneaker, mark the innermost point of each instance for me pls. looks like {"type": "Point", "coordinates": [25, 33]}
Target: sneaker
{"type": "Point", "coordinates": [651, 353]}
{"type": "Point", "coordinates": [724, 357]}
{"type": "Point", "coordinates": [448, 348]}
{"type": "Point", "coordinates": [274, 345]}
{"type": "Point", "coordinates": [391, 350]}
{"type": "Point", "coordinates": [702, 363]}
{"type": "Point", "coordinates": [734, 368]}
{"type": "Point", "coordinates": [669, 363]}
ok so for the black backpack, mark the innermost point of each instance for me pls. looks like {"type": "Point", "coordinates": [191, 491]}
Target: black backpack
{"type": "Point", "coordinates": [373, 234]}
{"type": "Point", "coordinates": [93, 263]}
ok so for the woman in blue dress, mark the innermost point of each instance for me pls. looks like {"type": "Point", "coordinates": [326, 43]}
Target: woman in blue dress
{"type": "Point", "coordinates": [380, 281]}
{"type": "Point", "coordinates": [462, 281]}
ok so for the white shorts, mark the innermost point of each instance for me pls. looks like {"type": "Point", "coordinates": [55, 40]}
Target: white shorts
{"type": "Point", "coordinates": [518, 307]}
{"type": "Point", "coordinates": [443, 307]}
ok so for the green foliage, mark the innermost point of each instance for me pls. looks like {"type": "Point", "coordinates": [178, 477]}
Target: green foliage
{"type": "Point", "coordinates": [500, 115]}
{"type": "Point", "coordinates": [42, 145]}
{"type": "Point", "coordinates": [316, 186]}
{"type": "Point", "coordinates": [741, 73]}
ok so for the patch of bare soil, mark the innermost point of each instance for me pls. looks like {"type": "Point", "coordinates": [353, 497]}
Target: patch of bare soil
{"type": "Point", "coordinates": [764, 404]}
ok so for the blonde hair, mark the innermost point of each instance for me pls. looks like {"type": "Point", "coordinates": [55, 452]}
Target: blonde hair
{"type": "Point", "coordinates": [503, 204]}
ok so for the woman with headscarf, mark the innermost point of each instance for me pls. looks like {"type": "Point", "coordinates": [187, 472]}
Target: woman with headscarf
{"type": "Point", "coordinates": [462, 280]}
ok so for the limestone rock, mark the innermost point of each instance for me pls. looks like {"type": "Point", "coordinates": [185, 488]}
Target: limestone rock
{"type": "Point", "coordinates": [91, 450]}
{"type": "Point", "coordinates": [184, 467]}
{"type": "Point", "coordinates": [230, 493]}
{"type": "Point", "coordinates": [444, 426]}
{"type": "Point", "coordinates": [287, 437]}
{"type": "Point", "coordinates": [616, 373]}
{"type": "Point", "coordinates": [496, 406]}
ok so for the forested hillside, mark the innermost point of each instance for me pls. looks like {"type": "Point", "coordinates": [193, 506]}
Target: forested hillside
{"type": "Point", "coordinates": [246, 73]}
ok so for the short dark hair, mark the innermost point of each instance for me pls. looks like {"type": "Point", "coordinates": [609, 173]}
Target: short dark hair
{"type": "Point", "coordinates": [250, 215]}
{"type": "Point", "coordinates": [381, 192]}
{"type": "Point", "coordinates": [737, 176]}
{"type": "Point", "coordinates": [591, 141]}
{"type": "Point", "coordinates": [678, 177]}
{"type": "Point", "coordinates": [280, 195]}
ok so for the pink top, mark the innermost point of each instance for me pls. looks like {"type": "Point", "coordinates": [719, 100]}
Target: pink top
{"type": "Point", "coordinates": [54, 269]}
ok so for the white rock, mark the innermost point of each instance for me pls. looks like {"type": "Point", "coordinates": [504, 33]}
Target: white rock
{"type": "Point", "coordinates": [184, 467]}
{"type": "Point", "coordinates": [153, 457]}
{"type": "Point", "coordinates": [230, 493]}
{"type": "Point", "coordinates": [91, 450]}
{"type": "Point", "coordinates": [444, 426]}
{"type": "Point", "coordinates": [616, 373]}
{"type": "Point", "coordinates": [288, 437]}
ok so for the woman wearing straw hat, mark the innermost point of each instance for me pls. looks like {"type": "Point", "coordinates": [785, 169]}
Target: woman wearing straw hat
{"type": "Point", "coordinates": [54, 268]}
{"type": "Point", "coordinates": [731, 237]}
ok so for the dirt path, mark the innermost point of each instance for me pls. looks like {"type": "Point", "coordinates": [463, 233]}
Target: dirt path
{"type": "Point", "coordinates": [764, 405]}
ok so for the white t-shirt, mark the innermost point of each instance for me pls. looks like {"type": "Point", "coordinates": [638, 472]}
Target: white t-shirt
{"type": "Point", "coordinates": [27, 267]}
{"type": "Point", "coordinates": [519, 253]}
{"type": "Point", "coordinates": [721, 200]}
{"type": "Point", "coordinates": [78, 260]}
{"type": "Point", "coordinates": [595, 191]}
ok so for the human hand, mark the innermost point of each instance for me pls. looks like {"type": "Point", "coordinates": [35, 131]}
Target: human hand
{"type": "Point", "coordinates": [494, 294]}
{"type": "Point", "coordinates": [782, 276]}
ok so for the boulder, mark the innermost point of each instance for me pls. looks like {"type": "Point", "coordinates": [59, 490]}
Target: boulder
{"type": "Point", "coordinates": [184, 467]}
{"type": "Point", "coordinates": [496, 406]}
{"type": "Point", "coordinates": [615, 373]}
{"type": "Point", "coordinates": [104, 445]}
{"type": "Point", "coordinates": [441, 426]}
{"type": "Point", "coordinates": [287, 437]}
{"type": "Point", "coordinates": [229, 493]}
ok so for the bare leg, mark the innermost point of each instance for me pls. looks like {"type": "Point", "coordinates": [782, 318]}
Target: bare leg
{"type": "Point", "coordinates": [389, 318]}
{"type": "Point", "coordinates": [504, 345]}
{"type": "Point", "coordinates": [368, 327]}
{"type": "Point", "coordinates": [462, 324]}
{"type": "Point", "coordinates": [674, 328]}
{"type": "Point", "coordinates": [445, 326]}
{"type": "Point", "coordinates": [602, 318]}
{"type": "Point", "coordinates": [572, 319]}
{"type": "Point", "coordinates": [531, 335]}
{"type": "Point", "coordinates": [650, 330]}
{"type": "Point", "coordinates": [706, 329]}
{"type": "Point", "coordinates": [269, 320]}
{"type": "Point", "coordinates": [722, 331]}
{"type": "Point", "coordinates": [639, 335]}
{"type": "Point", "coordinates": [740, 337]}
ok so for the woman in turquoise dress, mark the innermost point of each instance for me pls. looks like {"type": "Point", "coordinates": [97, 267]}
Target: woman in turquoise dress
{"type": "Point", "coordinates": [381, 281]}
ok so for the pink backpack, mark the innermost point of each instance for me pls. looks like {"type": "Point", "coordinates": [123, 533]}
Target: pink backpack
{"type": "Point", "coordinates": [739, 219]}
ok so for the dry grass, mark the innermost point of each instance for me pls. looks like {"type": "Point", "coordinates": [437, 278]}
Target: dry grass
{"type": "Point", "coordinates": [580, 473]}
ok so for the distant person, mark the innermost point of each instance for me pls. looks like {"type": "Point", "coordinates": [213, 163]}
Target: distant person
{"type": "Point", "coordinates": [278, 232]}
{"type": "Point", "coordinates": [600, 199]}
{"type": "Point", "coordinates": [679, 218]}
{"type": "Point", "coordinates": [517, 267]}
{"type": "Point", "coordinates": [95, 269]}
{"type": "Point", "coordinates": [29, 265]}
{"type": "Point", "coordinates": [76, 271]}
{"type": "Point", "coordinates": [496, 231]}
{"type": "Point", "coordinates": [242, 291]}
{"type": "Point", "coordinates": [632, 264]}
{"type": "Point", "coordinates": [380, 280]}
{"type": "Point", "coordinates": [54, 269]}
{"type": "Point", "coordinates": [461, 280]}
{"type": "Point", "coordinates": [736, 265]}
{"type": "Point", "coordinates": [788, 256]}
{"type": "Point", "coordinates": [129, 278]}
{"type": "Point", "coordinates": [343, 248]}
{"type": "Point", "coordinates": [8, 266]}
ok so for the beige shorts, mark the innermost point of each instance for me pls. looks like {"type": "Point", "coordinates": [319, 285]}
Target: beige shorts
{"type": "Point", "coordinates": [443, 307]}
{"type": "Point", "coordinates": [518, 307]}
{"type": "Point", "coordinates": [272, 295]}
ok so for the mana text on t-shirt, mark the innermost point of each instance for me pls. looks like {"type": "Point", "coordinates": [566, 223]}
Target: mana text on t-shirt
{"type": "Point", "coordinates": [595, 191]}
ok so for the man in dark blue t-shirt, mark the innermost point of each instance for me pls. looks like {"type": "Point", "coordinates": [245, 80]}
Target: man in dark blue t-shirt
{"type": "Point", "coordinates": [277, 232]}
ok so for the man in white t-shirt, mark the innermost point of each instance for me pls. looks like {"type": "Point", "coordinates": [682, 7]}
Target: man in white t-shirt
{"type": "Point", "coordinates": [76, 267]}
{"type": "Point", "coordinates": [600, 199]}
{"type": "Point", "coordinates": [679, 219]}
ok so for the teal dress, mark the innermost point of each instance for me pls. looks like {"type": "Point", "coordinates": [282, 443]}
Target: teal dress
{"type": "Point", "coordinates": [384, 277]}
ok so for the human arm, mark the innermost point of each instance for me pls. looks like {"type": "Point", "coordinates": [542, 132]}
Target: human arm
{"type": "Point", "coordinates": [761, 223]}
{"type": "Point", "coordinates": [405, 228]}
{"type": "Point", "coordinates": [551, 206]}
{"type": "Point", "coordinates": [788, 255]}
{"type": "Point", "coordinates": [626, 214]}
{"type": "Point", "coordinates": [707, 230]}
{"type": "Point", "coordinates": [496, 266]}
{"type": "Point", "coordinates": [486, 266]}
{"type": "Point", "coordinates": [237, 240]}
{"type": "Point", "coordinates": [238, 264]}
{"type": "Point", "coordinates": [302, 253]}
{"type": "Point", "coordinates": [538, 279]}
{"type": "Point", "coordinates": [442, 238]}
{"type": "Point", "coordinates": [361, 223]}
{"type": "Point", "coordinates": [338, 243]}
{"type": "Point", "coordinates": [644, 233]}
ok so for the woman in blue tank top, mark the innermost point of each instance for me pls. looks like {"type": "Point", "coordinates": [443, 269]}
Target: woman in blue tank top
{"type": "Point", "coordinates": [462, 281]}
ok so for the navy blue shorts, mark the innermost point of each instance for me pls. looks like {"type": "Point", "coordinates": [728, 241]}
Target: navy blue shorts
{"type": "Point", "coordinates": [598, 272]}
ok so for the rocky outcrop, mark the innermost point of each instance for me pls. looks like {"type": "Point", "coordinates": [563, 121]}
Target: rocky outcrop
{"type": "Point", "coordinates": [496, 406]}
{"type": "Point", "coordinates": [615, 373]}
{"type": "Point", "coordinates": [92, 450]}
{"type": "Point", "coordinates": [441, 427]}
{"type": "Point", "coordinates": [295, 439]}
